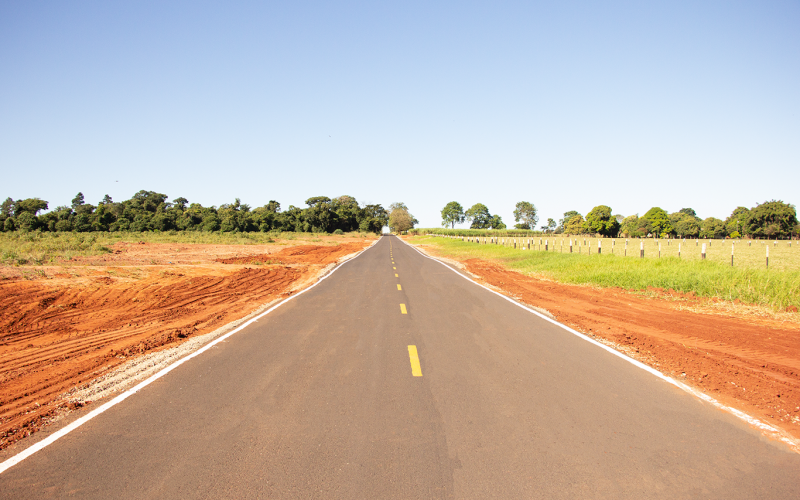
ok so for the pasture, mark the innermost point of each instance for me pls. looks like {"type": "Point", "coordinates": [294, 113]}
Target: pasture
{"type": "Point", "coordinates": [749, 281]}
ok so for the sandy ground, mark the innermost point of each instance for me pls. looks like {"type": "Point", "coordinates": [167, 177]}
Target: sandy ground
{"type": "Point", "coordinates": [742, 359]}
{"type": "Point", "coordinates": [75, 322]}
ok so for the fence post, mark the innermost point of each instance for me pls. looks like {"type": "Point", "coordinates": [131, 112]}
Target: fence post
{"type": "Point", "coordinates": [626, 248]}
{"type": "Point", "coordinates": [679, 250]}
{"type": "Point", "coordinates": [703, 251]}
{"type": "Point", "coordinates": [767, 256]}
{"type": "Point", "coordinates": [570, 246]}
{"type": "Point", "coordinates": [659, 249]}
{"type": "Point", "coordinates": [733, 245]}
{"type": "Point", "coordinates": [599, 249]}
{"type": "Point", "coordinates": [641, 249]}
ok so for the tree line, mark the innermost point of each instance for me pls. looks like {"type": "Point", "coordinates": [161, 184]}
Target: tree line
{"type": "Point", "coordinates": [771, 219]}
{"type": "Point", "coordinates": [151, 211]}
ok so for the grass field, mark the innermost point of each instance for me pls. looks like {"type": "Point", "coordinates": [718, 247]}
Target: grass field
{"type": "Point", "coordinates": [748, 281]}
{"type": "Point", "coordinates": [783, 254]}
{"type": "Point", "coordinates": [35, 248]}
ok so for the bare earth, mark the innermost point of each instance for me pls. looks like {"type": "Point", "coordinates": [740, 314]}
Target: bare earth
{"type": "Point", "coordinates": [75, 322]}
{"type": "Point", "coordinates": [747, 361]}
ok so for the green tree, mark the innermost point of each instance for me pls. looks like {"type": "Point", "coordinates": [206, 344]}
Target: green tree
{"type": "Point", "coordinates": [319, 216]}
{"type": "Point", "coordinates": [658, 222]}
{"type": "Point", "coordinates": [26, 221]}
{"type": "Point", "coordinates": [630, 226]}
{"type": "Point", "coordinates": [7, 208]}
{"type": "Point", "coordinates": [373, 218]}
{"type": "Point", "coordinates": [497, 222]}
{"type": "Point", "coordinates": [600, 221]}
{"type": "Point", "coordinates": [400, 219]}
{"type": "Point", "coordinates": [712, 228]}
{"type": "Point", "coordinates": [772, 219]}
{"type": "Point", "coordinates": [525, 212]}
{"type": "Point", "coordinates": [567, 215]}
{"type": "Point", "coordinates": [575, 225]}
{"type": "Point", "coordinates": [689, 211]}
{"type": "Point", "coordinates": [273, 206]}
{"type": "Point", "coordinates": [347, 213]}
{"type": "Point", "coordinates": [452, 214]}
{"type": "Point", "coordinates": [479, 217]}
{"type": "Point", "coordinates": [77, 201]}
{"type": "Point", "coordinates": [29, 205]}
{"type": "Point", "coordinates": [737, 221]}
{"type": "Point", "coordinates": [687, 226]}
{"type": "Point", "coordinates": [180, 203]}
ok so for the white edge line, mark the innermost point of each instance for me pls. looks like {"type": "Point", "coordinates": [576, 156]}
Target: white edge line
{"type": "Point", "coordinates": [773, 432]}
{"type": "Point", "coordinates": [141, 385]}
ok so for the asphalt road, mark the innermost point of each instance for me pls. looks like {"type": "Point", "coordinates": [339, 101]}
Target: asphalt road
{"type": "Point", "coordinates": [322, 399]}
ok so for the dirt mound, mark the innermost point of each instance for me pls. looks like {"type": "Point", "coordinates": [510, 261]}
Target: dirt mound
{"type": "Point", "coordinates": [74, 322]}
{"type": "Point", "coordinates": [748, 362]}
{"type": "Point", "coordinates": [298, 255]}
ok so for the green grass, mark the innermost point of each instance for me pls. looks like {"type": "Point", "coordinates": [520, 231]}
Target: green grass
{"type": "Point", "coordinates": [37, 248]}
{"type": "Point", "coordinates": [773, 288]}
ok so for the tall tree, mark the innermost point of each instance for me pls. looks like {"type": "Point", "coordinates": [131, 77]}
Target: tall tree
{"type": "Point", "coordinates": [658, 222]}
{"type": "Point", "coordinates": [600, 221]}
{"type": "Point", "coordinates": [712, 228]}
{"type": "Point", "coordinates": [525, 212]}
{"type": "Point", "coordinates": [7, 208]}
{"type": "Point", "coordinates": [479, 216]}
{"type": "Point", "coordinates": [77, 201]}
{"type": "Point", "coordinates": [400, 219]}
{"type": "Point", "coordinates": [772, 219]}
{"type": "Point", "coordinates": [737, 221]}
{"type": "Point", "coordinates": [497, 222]}
{"type": "Point", "coordinates": [452, 214]}
{"type": "Point", "coordinates": [574, 225]}
{"type": "Point", "coordinates": [29, 205]}
{"type": "Point", "coordinates": [567, 216]}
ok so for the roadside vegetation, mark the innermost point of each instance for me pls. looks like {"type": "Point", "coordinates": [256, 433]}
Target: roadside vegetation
{"type": "Point", "coordinates": [776, 289]}
{"type": "Point", "coordinates": [151, 211]}
{"type": "Point", "coordinates": [771, 220]}
{"type": "Point", "coordinates": [41, 248]}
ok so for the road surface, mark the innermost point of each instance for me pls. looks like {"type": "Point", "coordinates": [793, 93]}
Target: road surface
{"type": "Point", "coordinates": [398, 378]}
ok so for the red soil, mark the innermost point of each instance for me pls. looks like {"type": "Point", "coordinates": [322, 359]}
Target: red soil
{"type": "Point", "coordinates": [70, 327]}
{"type": "Point", "coordinates": [745, 361]}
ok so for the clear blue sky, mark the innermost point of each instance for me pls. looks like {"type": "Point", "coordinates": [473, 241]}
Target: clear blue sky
{"type": "Point", "coordinates": [565, 104]}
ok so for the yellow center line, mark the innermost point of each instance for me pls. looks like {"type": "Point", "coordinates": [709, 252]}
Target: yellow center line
{"type": "Point", "coordinates": [398, 286]}
{"type": "Point", "coordinates": [396, 275]}
{"type": "Point", "coordinates": [403, 309]}
{"type": "Point", "coordinates": [416, 370]}
{"type": "Point", "coordinates": [394, 268]}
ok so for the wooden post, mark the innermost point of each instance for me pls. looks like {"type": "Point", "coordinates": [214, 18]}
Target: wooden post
{"type": "Point", "coordinates": [570, 246]}
{"type": "Point", "coordinates": [599, 248]}
{"type": "Point", "coordinates": [659, 249]}
{"type": "Point", "coordinates": [545, 245]}
{"type": "Point", "coordinates": [641, 249]}
{"type": "Point", "coordinates": [703, 251]}
{"type": "Point", "coordinates": [679, 250]}
{"type": "Point", "coordinates": [733, 245]}
{"type": "Point", "coordinates": [767, 256]}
